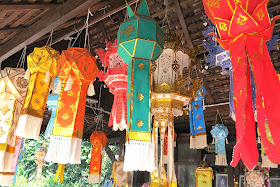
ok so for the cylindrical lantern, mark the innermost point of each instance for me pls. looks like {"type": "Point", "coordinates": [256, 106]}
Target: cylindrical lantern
{"type": "Point", "coordinates": [77, 70]}
{"type": "Point", "coordinates": [115, 77]}
{"type": "Point", "coordinates": [40, 154]}
{"type": "Point", "coordinates": [140, 42]}
{"type": "Point", "coordinates": [204, 176]}
{"type": "Point", "coordinates": [41, 67]}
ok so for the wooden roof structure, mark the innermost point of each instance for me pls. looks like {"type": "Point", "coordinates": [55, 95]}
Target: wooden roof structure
{"type": "Point", "coordinates": [29, 23]}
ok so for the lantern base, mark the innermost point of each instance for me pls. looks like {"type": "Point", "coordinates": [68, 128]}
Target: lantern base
{"type": "Point", "coordinates": [267, 163]}
{"type": "Point", "coordinates": [221, 160]}
{"type": "Point", "coordinates": [93, 178]}
{"type": "Point", "coordinates": [139, 156]}
{"type": "Point", "coordinates": [6, 160]}
{"type": "Point", "coordinates": [64, 150]}
{"type": "Point", "coordinates": [6, 179]}
{"type": "Point", "coordinates": [29, 126]}
{"type": "Point", "coordinates": [198, 141]}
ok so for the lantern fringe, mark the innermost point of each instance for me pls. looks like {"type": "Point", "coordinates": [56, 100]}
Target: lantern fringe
{"type": "Point", "coordinates": [29, 126]}
{"type": "Point", "coordinates": [91, 91]}
{"type": "Point", "coordinates": [93, 178]}
{"type": "Point", "coordinates": [139, 156]}
{"type": "Point", "coordinates": [58, 88]}
{"type": "Point", "coordinates": [221, 160]}
{"type": "Point", "coordinates": [198, 141]}
{"type": "Point", "coordinates": [69, 84]}
{"type": "Point", "coordinates": [267, 163]}
{"type": "Point", "coordinates": [27, 74]}
{"type": "Point", "coordinates": [64, 150]}
{"type": "Point", "coordinates": [122, 125]}
{"type": "Point", "coordinates": [47, 77]}
{"type": "Point", "coordinates": [6, 179]}
{"type": "Point", "coordinates": [6, 160]}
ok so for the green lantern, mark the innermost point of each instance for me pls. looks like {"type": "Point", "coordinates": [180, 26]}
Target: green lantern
{"type": "Point", "coordinates": [140, 42]}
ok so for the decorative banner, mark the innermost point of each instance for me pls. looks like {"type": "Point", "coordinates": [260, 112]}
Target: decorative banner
{"type": "Point", "coordinates": [98, 139]}
{"type": "Point", "coordinates": [76, 69]}
{"type": "Point", "coordinates": [41, 68]}
{"type": "Point", "coordinates": [140, 42]}
{"type": "Point", "coordinates": [258, 177]}
{"type": "Point", "coordinates": [115, 78]}
{"type": "Point", "coordinates": [219, 133]}
{"type": "Point", "coordinates": [198, 139]}
{"type": "Point", "coordinates": [52, 105]}
{"type": "Point", "coordinates": [121, 178]}
{"type": "Point", "coordinates": [13, 89]}
{"type": "Point", "coordinates": [204, 176]}
{"type": "Point", "coordinates": [244, 26]}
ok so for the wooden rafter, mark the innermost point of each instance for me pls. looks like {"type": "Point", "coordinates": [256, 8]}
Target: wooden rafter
{"type": "Point", "coordinates": [103, 30]}
{"type": "Point", "coordinates": [29, 6]}
{"type": "Point", "coordinates": [53, 19]}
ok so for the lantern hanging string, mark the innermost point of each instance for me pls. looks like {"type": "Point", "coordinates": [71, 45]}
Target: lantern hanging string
{"type": "Point", "coordinates": [86, 27]}
{"type": "Point", "coordinates": [165, 19]}
{"type": "Point", "coordinates": [218, 113]}
{"type": "Point", "coordinates": [21, 61]}
{"type": "Point", "coordinates": [49, 41]}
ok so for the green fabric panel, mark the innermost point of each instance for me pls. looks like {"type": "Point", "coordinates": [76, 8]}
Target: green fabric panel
{"type": "Point", "coordinates": [129, 10]}
{"type": "Point", "coordinates": [124, 28]}
{"type": "Point", "coordinates": [123, 54]}
{"type": "Point", "coordinates": [147, 29]}
{"type": "Point", "coordinates": [143, 8]}
{"type": "Point", "coordinates": [157, 52]}
{"type": "Point", "coordinates": [144, 49]}
{"type": "Point", "coordinates": [160, 36]}
{"type": "Point", "coordinates": [129, 46]}
{"type": "Point", "coordinates": [141, 84]}
{"type": "Point", "coordinates": [119, 36]}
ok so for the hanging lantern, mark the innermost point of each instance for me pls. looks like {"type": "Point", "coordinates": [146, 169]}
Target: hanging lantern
{"type": "Point", "coordinates": [115, 77]}
{"type": "Point", "coordinates": [40, 154]}
{"type": "Point", "coordinates": [140, 42]}
{"type": "Point", "coordinates": [76, 69]}
{"type": "Point", "coordinates": [258, 177]}
{"type": "Point", "coordinates": [219, 133]}
{"type": "Point", "coordinates": [13, 89]}
{"type": "Point", "coordinates": [52, 105]}
{"type": "Point", "coordinates": [120, 177]}
{"type": "Point", "coordinates": [204, 176]}
{"type": "Point", "coordinates": [98, 139]}
{"type": "Point", "coordinates": [41, 68]}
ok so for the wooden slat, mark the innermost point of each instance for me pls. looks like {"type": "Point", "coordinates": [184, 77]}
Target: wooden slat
{"type": "Point", "coordinates": [52, 20]}
{"type": "Point", "coordinates": [24, 18]}
{"type": "Point", "coordinates": [20, 6]}
{"type": "Point", "coordinates": [14, 15]}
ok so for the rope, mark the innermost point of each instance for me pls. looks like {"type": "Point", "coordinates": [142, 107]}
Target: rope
{"type": "Point", "coordinates": [21, 61]}
{"type": "Point", "coordinates": [50, 39]}
{"type": "Point", "coordinates": [165, 19]}
{"type": "Point", "coordinates": [87, 35]}
{"type": "Point", "coordinates": [218, 113]}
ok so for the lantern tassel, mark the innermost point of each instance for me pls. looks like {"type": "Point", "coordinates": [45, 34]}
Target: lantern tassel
{"type": "Point", "coordinates": [68, 85]}
{"type": "Point", "coordinates": [267, 163]}
{"type": "Point", "coordinates": [59, 172]}
{"type": "Point", "coordinates": [47, 77]}
{"type": "Point", "coordinates": [58, 88]}
{"type": "Point", "coordinates": [221, 160]}
{"type": "Point", "coordinates": [226, 141]}
{"type": "Point", "coordinates": [27, 74]}
{"type": "Point", "coordinates": [91, 91]}
{"type": "Point", "coordinates": [198, 141]}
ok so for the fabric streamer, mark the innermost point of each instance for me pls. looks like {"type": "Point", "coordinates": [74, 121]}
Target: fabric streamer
{"type": "Point", "coordinates": [219, 133]}
{"type": "Point", "coordinates": [40, 61]}
{"type": "Point", "coordinates": [140, 42]}
{"type": "Point", "coordinates": [121, 178]}
{"type": "Point", "coordinates": [98, 140]}
{"type": "Point", "coordinates": [77, 66]}
{"type": "Point", "coordinates": [115, 77]}
{"type": "Point", "coordinates": [243, 29]}
{"type": "Point", "coordinates": [13, 89]}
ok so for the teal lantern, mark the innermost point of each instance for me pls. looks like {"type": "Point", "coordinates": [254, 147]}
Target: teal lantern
{"type": "Point", "coordinates": [140, 42]}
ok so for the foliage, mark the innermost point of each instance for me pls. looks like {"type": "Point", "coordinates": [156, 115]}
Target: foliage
{"type": "Point", "coordinates": [75, 175]}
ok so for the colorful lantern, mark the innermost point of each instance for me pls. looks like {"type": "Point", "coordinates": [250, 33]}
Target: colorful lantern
{"type": "Point", "coordinates": [198, 139]}
{"type": "Point", "coordinates": [13, 88]}
{"type": "Point", "coordinates": [115, 78]}
{"type": "Point", "coordinates": [219, 133]}
{"type": "Point", "coordinates": [98, 139]}
{"type": "Point", "coordinates": [244, 26]}
{"type": "Point", "coordinates": [76, 69]}
{"type": "Point", "coordinates": [140, 42]}
{"type": "Point", "coordinates": [52, 105]}
{"type": "Point", "coordinates": [204, 176]}
{"type": "Point", "coordinates": [258, 177]}
{"type": "Point", "coordinates": [41, 68]}
{"type": "Point", "coordinates": [40, 154]}
{"type": "Point", "coordinates": [121, 178]}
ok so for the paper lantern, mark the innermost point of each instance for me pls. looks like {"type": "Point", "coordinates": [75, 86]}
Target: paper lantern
{"type": "Point", "coordinates": [140, 42]}
{"type": "Point", "coordinates": [115, 77]}
{"type": "Point", "coordinates": [204, 176]}
{"type": "Point", "coordinates": [219, 133]}
{"type": "Point", "coordinates": [41, 67]}
{"type": "Point", "coordinates": [243, 32]}
{"type": "Point", "coordinates": [98, 139]}
{"type": "Point", "coordinates": [76, 70]}
{"type": "Point", "coordinates": [120, 177]}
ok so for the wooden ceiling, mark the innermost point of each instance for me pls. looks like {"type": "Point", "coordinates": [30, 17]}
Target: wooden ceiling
{"type": "Point", "coordinates": [29, 23]}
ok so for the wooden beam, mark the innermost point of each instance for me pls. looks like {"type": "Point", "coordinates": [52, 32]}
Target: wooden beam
{"type": "Point", "coordinates": [12, 29]}
{"type": "Point", "coordinates": [53, 19]}
{"type": "Point", "coordinates": [110, 153]}
{"type": "Point", "coordinates": [103, 30]}
{"type": "Point", "coordinates": [20, 6]}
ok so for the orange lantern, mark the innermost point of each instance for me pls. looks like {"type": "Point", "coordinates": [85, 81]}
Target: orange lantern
{"type": "Point", "coordinates": [97, 139]}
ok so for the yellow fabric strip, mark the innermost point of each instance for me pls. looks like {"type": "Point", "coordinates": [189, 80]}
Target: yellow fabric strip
{"type": "Point", "coordinates": [140, 136]}
{"type": "Point", "coordinates": [59, 172]}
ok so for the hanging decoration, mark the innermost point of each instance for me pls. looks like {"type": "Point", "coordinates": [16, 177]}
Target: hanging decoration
{"type": "Point", "coordinates": [120, 177]}
{"type": "Point", "coordinates": [259, 177]}
{"type": "Point", "coordinates": [40, 154]}
{"type": "Point", "coordinates": [52, 105]}
{"type": "Point", "coordinates": [76, 70]}
{"type": "Point", "coordinates": [243, 27]}
{"type": "Point", "coordinates": [198, 139]}
{"type": "Point", "coordinates": [41, 69]}
{"type": "Point", "coordinates": [169, 96]}
{"type": "Point", "coordinates": [204, 175]}
{"type": "Point", "coordinates": [98, 140]}
{"type": "Point", "coordinates": [115, 77]}
{"type": "Point", "coordinates": [13, 89]}
{"type": "Point", "coordinates": [219, 133]}
{"type": "Point", "coordinates": [140, 42]}
{"type": "Point", "coordinates": [19, 152]}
